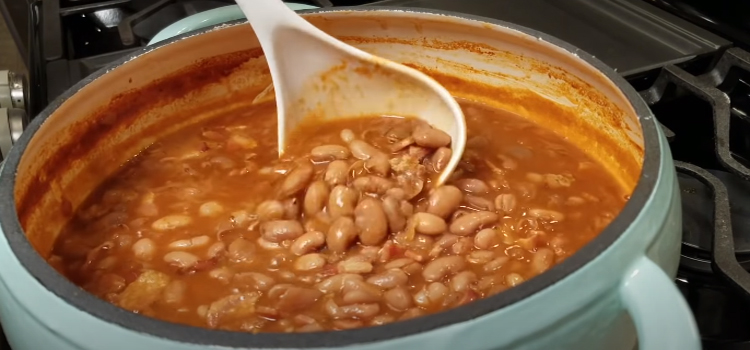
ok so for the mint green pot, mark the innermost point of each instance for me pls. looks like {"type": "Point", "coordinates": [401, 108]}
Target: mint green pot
{"type": "Point", "coordinates": [617, 286]}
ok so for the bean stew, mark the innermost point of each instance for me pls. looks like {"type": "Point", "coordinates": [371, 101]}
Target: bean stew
{"type": "Point", "coordinates": [208, 227]}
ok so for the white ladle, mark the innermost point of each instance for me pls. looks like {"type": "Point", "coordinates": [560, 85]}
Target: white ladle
{"type": "Point", "coordinates": [316, 75]}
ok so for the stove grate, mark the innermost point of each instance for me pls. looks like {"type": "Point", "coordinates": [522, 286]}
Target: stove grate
{"type": "Point", "coordinates": [723, 252]}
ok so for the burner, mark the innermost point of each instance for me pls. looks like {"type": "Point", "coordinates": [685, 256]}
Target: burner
{"type": "Point", "coordinates": [698, 220]}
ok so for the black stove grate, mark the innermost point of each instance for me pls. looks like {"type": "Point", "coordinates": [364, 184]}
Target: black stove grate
{"type": "Point", "coordinates": [705, 118]}
{"type": "Point", "coordinates": [723, 259]}
{"type": "Point", "coordinates": [722, 253]}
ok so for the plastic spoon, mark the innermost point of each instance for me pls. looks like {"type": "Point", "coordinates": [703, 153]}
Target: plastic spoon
{"type": "Point", "coordinates": [316, 75]}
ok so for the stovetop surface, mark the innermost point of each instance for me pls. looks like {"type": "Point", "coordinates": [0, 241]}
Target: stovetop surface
{"type": "Point", "coordinates": [628, 35]}
{"type": "Point", "coordinates": [702, 98]}
{"type": "Point", "coordinates": [632, 36]}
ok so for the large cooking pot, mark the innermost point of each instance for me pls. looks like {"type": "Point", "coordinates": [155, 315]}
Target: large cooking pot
{"type": "Point", "coordinates": [592, 300]}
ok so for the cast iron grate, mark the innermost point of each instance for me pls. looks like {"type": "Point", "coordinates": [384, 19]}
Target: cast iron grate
{"type": "Point", "coordinates": [721, 253]}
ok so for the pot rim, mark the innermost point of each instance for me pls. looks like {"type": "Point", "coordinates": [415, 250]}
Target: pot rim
{"type": "Point", "coordinates": [86, 302]}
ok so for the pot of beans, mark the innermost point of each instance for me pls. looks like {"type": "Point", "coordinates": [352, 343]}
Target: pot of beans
{"type": "Point", "coordinates": [147, 207]}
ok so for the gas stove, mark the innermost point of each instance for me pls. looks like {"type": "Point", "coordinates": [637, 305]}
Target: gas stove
{"type": "Point", "coordinates": [687, 59]}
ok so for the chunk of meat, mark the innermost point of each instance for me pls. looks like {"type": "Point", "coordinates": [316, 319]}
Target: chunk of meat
{"type": "Point", "coordinates": [231, 308]}
{"type": "Point", "coordinates": [144, 291]}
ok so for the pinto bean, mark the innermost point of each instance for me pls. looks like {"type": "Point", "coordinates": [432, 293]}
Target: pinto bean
{"type": "Point", "coordinates": [535, 177]}
{"type": "Point", "coordinates": [479, 203]}
{"type": "Point", "coordinates": [181, 259]}
{"type": "Point", "coordinates": [174, 292]}
{"type": "Point", "coordinates": [462, 246]}
{"type": "Point", "coordinates": [427, 136]}
{"type": "Point", "coordinates": [315, 198]}
{"type": "Point", "coordinates": [546, 214]}
{"type": "Point", "coordinates": [308, 242]}
{"type": "Point", "coordinates": [397, 193]}
{"type": "Point", "coordinates": [359, 292]}
{"type": "Point", "coordinates": [341, 235]}
{"type": "Point", "coordinates": [342, 201]}
{"type": "Point", "coordinates": [399, 132]}
{"type": "Point", "coordinates": [347, 135]}
{"type": "Point", "coordinates": [401, 144]}
{"type": "Point", "coordinates": [359, 311]}
{"type": "Point", "coordinates": [171, 222]}
{"type": "Point", "coordinates": [505, 203]}
{"type": "Point", "coordinates": [352, 284]}
{"type": "Point", "coordinates": [294, 299]}
{"type": "Point", "coordinates": [320, 223]}
{"type": "Point", "coordinates": [411, 313]}
{"type": "Point", "coordinates": [223, 274]}
{"type": "Point", "coordinates": [445, 241]}
{"type": "Point", "coordinates": [486, 239]}
{"type": "Point", "coordinates": [407, 208]}
{"type": "Point", "coordinates": [144, 249]}
{"type": "Point", "coordinates": [379, 164]}
{"type": "Point", "coordinates": [371, 221]}
{"type": "Point", "coordinates": [513, 279]}
{"type": "Point", "coordinates": [422, 299]}
{"type": "Point", "coordinates": [462, 281]}
{"type": "Point", "coordinates": [241, 250]}
{"type": "Point", "coordinates": [398, 298]}
{"type": "Point", "coordinates": [442, 267]}
{"type": "Point", "coordinates": [396, 218]}
{"type": "Point", "coordinates": [336, 173]}
{"type": "Point", "coordinates": [480, 256]}
{"type": "Point", "coordinates": [254, 280]}
{"type": "Point", "coordinates": [354, 266]}
{"type": "Point", "coordinates": [473, 186]}
{"type": "Point", "coordinates": [329, 152]}
{"type": "Point", "coordinates": [372, 184]}
{"type": "Point", "coordinates": [363, 150]}
{"type": "Point", "coordinates": [495, 264]}
{"type": "Point", "coordinates": [270, 210]}
{"type": "Point", "coordinates": [216, 249]}
{"type": "Point", "coordinates": [309, 262]}
{"type": "Point", "coordinates": [389, 279]}
{"type": "Point", "coordinates": [558, 181]}
{"type": "Point", "coordinates": [574, 200]}
{"type": "Point", "coordinates": [297, 179]}
{"type": "Point", "coordinates": [335, 283]}
{"type": "Point", "coordinates": [291, 208]}
{"type": "Point", "coordinates": [360, 297]}
{"type": "Point", "coordinates": [542, 259]}
{"type": "Point", "coordinates": [281, 230]}
{"type": "Point", "coordinates": [399, 263]}
{"type": "Point", "coordinates": [440, 158]}
{"type": "Point", "coordinates": [190, 243]}
{"type": "Point", "coordinates": [469, 223]}
{"type": "Point", "coordinates": [444, 200]}
{"type": "Point", "coordinates": [428, 224]}
{"type": "Point", "coordinates": [437, 291]}
{"type": "Point", "coordinates": [209, 209]}
{"type": "Point", "coordinates": [268, 245]}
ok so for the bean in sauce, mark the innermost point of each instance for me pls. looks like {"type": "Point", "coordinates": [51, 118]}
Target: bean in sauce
{"type": "Point", "coordinates": [208, 228]}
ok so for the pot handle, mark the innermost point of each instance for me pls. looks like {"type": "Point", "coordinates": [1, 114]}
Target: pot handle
{"type": "Point", "coordinates": [661, 315]}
